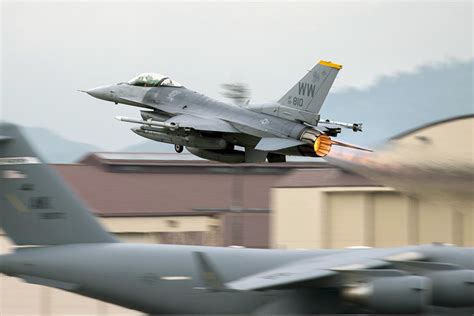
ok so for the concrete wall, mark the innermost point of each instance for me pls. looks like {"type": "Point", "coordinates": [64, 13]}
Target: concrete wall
{"type": "Point", "coordinates": [372, 216]}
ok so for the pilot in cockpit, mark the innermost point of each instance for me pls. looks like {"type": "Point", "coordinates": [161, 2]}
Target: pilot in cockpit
{"type": "Point", "coordinates": [153, 80]}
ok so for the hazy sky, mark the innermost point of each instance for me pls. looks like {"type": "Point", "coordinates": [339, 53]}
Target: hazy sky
{"type": "Point", "coordinates": [51, 49]}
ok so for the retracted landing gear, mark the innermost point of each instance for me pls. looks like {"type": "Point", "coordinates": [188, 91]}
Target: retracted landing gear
{"type": "Point", "coordinates": [178, 148]}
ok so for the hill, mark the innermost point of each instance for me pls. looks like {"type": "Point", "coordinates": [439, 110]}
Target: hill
{"type": "Point", "coordinates": [54, 148]}
{"type": "Point", "coordinates": [399, 103]}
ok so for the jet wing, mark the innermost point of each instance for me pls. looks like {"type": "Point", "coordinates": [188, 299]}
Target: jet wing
{"type": "Point", "coordinates": [201, 123]}
{"type": "Point", "coordinates": [322, 266]}
{"type": "Point", "coordinates": [277, 143]}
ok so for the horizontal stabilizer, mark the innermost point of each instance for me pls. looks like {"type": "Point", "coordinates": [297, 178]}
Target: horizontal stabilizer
{"type": "Point", "coordinates": [275, 143]}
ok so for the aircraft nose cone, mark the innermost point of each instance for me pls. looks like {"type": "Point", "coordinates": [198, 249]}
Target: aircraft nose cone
{"type": "Point", "coordinates": [99, 93]}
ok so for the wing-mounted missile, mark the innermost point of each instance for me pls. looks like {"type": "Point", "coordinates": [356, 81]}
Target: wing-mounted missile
{"type": "Point", "coordinates": [356, 127]}
{"type": "Point", "coordinates": [322, 143]}
{"type": "Point", "coordinates": [186, 122]}
{"type": "Point", "coordinates": [149, 122]}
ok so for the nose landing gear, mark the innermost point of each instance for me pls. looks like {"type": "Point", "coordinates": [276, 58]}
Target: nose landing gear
{"type": "Point", "coordinates": [178, 148]}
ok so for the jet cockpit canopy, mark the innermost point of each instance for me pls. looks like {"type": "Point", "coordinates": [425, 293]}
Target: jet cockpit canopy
{"type": "Point", "coordinates": [153, 80]}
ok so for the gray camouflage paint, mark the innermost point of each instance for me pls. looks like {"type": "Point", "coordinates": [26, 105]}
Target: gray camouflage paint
{"type": "Point", "coordinates": [287, 119]}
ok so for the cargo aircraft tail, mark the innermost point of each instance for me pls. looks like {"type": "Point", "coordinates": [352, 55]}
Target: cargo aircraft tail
{"type": "Point", "coordinates": [36, 206]}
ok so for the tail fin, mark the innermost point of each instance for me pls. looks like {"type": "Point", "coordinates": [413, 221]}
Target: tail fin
{"type": "Point", "coordinates": [310, 92]}
{"type": "Point", "coordinates": [36, 207]}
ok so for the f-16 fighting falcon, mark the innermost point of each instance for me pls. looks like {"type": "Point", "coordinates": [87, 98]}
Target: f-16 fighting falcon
{"type": "Point", "coordinates": [63, 246]}
{"type": "Point", "coordinates": [211, 129]}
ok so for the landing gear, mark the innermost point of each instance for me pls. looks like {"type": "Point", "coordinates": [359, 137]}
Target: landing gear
{"type": "Point", "coordinates": [178, 148]}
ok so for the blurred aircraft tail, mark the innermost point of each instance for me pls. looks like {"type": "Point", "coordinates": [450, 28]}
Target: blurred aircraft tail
{"type": "Point", "coordinates": [36, 207]}
{"type": "Point", "coordinates": [308, 95]}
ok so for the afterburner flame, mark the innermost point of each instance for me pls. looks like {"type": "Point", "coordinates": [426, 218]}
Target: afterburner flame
{"type": "Point", "coordinates": [322, 145]}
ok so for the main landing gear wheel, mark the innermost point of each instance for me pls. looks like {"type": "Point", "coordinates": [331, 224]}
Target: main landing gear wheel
{"type": "Point", "coordinates": [178, 148]}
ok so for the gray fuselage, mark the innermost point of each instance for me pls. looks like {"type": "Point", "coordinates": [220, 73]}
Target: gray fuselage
{"type": "Point", "coordinates": [172, 101]}
{"type": "Point", "coordinates": [159, 279]}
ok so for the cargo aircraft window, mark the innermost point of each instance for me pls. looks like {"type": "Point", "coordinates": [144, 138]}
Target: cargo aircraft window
{"type": "Point", "coordinates": [153, 80]}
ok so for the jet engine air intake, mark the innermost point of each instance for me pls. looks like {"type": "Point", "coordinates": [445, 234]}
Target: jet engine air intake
{"type": "Point", "coordinates": [321, 143]}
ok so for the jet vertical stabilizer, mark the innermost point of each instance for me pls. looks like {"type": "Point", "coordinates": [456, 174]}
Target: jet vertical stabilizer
{"type": "Point", "coordinates": [305, 99]}
{"type": "Point", "coordinates": [310, 92]}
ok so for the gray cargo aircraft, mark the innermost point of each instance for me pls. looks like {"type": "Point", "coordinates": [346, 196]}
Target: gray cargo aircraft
{"type": "Point", "coordinates": [211, 129]}
{"type": "Point", "coordinates": [64, 247]}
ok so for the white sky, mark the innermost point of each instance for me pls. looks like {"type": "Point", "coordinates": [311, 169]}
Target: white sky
{"type": "Point", "coordinates": [51, 49]}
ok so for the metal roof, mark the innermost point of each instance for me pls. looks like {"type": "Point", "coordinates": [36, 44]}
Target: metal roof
{"type": "Point", "coordinates": [317, 178]}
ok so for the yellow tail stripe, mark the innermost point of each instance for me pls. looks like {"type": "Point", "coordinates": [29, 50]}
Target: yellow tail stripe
{"type": "Point", "coordinates": [330, 64]}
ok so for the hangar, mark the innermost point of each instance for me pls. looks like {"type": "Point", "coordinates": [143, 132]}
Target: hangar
{"type": "Point", "coordinates": [331, 208]}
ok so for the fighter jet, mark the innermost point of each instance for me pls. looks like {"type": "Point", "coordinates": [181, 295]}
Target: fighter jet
{"type": "Point", "coordinates": [64, 247]}
{"type": "Point", "coordinates": [211, 129]}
